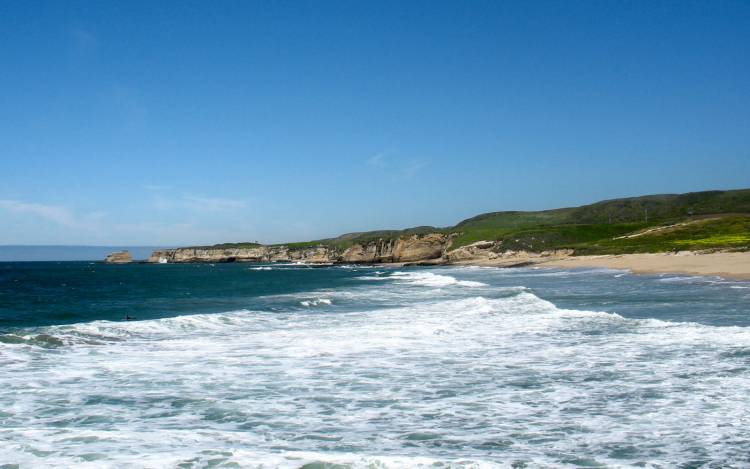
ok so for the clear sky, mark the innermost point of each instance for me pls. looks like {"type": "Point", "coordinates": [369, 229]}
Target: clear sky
{"type": "Point", "coordinates": [169, 123]}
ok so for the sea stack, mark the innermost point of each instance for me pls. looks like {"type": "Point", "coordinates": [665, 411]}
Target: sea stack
{"type": "Point", "coordinates": [119, 257]}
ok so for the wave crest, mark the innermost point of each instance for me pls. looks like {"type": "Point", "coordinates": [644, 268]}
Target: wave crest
{"type": "Point", "coordinates": [430, 279]}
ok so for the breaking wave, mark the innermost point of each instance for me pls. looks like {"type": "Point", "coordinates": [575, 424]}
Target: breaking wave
{"type": "Point", "coordinates": [316, 302]}
{"type": "Point", "coordinates": [426, 279]}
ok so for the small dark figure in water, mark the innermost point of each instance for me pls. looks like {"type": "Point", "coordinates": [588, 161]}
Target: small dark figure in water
{"type": "Point", "coordinates": [128, 318]}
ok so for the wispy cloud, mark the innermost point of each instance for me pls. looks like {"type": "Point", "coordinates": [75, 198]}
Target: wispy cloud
{"type": "Point", "coordinates": [377, 160]}
{"type": "Point", "coordinates": [189, 224]}
{"type": "Point", "coordinates": [54, 213]}
{"type": "Point", "coordinates": [156, 187]}
{"type": "Point", "coordinates": [212, 204]}
{"type": "Point", "coordinates": [162, 200]}
{"type": "Point", "coordinates": [413, 167]}
{"type": "Point", "coordinates": [398, 168]}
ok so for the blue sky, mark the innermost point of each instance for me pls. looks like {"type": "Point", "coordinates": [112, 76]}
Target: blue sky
{"type": "Point", "coordinates": [169, 123]}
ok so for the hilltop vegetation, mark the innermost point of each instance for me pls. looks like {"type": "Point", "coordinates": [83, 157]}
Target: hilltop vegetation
{"type": "Point", "coordinates": [732, 231]}
{"type": "Point", "coordinates": [720, 231]}
{"type": "Point", "coordinates": [601, 220]}
{"type": "Point", "coordinates": [244, 245]}
{"type": "Point", "coordinates": [652, 223]}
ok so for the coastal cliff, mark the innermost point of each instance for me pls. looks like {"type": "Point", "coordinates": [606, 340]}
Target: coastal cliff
{"type": "Point", "coordinates": [431, 248]}
{"type": "Point", "coordinates": [276, 253]}
{"type": "Point", "coordinates": [408, 249]}
{"type": "Point", "coordinates": [414, 248]}
{"type": "Point", "coordinates": [411, 249]}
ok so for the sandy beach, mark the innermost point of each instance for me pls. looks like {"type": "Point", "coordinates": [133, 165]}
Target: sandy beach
{"type": "Point", "coordinates": [735, 265]}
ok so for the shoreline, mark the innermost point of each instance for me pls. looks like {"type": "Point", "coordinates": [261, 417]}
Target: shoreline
{"type": "Point", "coordinates": [729, 265]}
{"type": "Point", "coordinates": [733, 265]}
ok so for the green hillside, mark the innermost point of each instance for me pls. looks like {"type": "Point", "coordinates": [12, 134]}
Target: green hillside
{"type": "Point", "coordinates": [730, 231]}
{"type": "Point", "coordinates": [652, 223]}
{"type": "Point", "coordinates": [580, 227]}
{"type": "Point", "coordinates": [719, 231]}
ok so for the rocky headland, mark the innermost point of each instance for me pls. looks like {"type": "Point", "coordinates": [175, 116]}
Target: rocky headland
{"type": "Point", "coordinates": [119, 257]}
{"type": "Point", "coordinates": [427, 249]}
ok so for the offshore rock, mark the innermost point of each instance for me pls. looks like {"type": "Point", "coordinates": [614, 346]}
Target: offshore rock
{"type": "Point", "coordinates": [119, 257]}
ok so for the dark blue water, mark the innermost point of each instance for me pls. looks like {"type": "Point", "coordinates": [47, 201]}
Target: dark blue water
{"type": "Point", "coordinates": [46, 293]}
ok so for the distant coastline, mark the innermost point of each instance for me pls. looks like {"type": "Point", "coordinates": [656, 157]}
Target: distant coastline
{"type": "Point", "coordinates": [704, 233]}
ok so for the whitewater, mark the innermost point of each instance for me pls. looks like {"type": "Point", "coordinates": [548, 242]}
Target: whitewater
{"type": "Point", "coordinates": [448, 367]}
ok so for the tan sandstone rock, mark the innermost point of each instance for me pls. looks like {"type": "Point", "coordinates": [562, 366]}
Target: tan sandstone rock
{"type": "Point", "coordinates": [119, 257]}
{"type": "Point", "coordinates": [418, 248]}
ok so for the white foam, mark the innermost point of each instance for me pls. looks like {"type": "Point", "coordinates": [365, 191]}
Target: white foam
{"type": "Point", "coordinates": [369, 277]}
{"type": "Point", "coordinates": [688, 279]}
{"type": "Point", "coordinates": [430, 279]}
{"type": "Point", "coordinates": [316, 302]}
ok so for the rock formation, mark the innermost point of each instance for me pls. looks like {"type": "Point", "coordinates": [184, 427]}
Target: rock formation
{"type": "Point", "coordinates": [319, 254]}
{"type": "Point", "coordinates": [119, 257]}
{"type": "Point", "coordinates": [478, 250]}
{"type": "Point", "coordinates": [409, 249]}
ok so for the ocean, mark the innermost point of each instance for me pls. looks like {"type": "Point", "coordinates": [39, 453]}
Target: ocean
{"type": "Point", "coordinates": [263, 366]}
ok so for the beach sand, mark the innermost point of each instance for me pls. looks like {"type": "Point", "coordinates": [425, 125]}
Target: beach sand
{"type": "Point", "coordinates": [734, 265]}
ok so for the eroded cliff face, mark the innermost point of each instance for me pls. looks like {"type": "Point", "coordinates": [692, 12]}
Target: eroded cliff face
{"type": "Point", "coordinates": [379, 251]}
{"type": "Point", "coordinates": [487, 253]}
{"type": "Point", "coordinates": [410, 249]}
{"type": "Point", "coordinates": [320, 254]}
{"type": "Point", "coordinates": [434, 248]}
{"type": "Point", "coordinates": [420, 248]}
{"type": "Point", "coordinates": [478, 250]}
